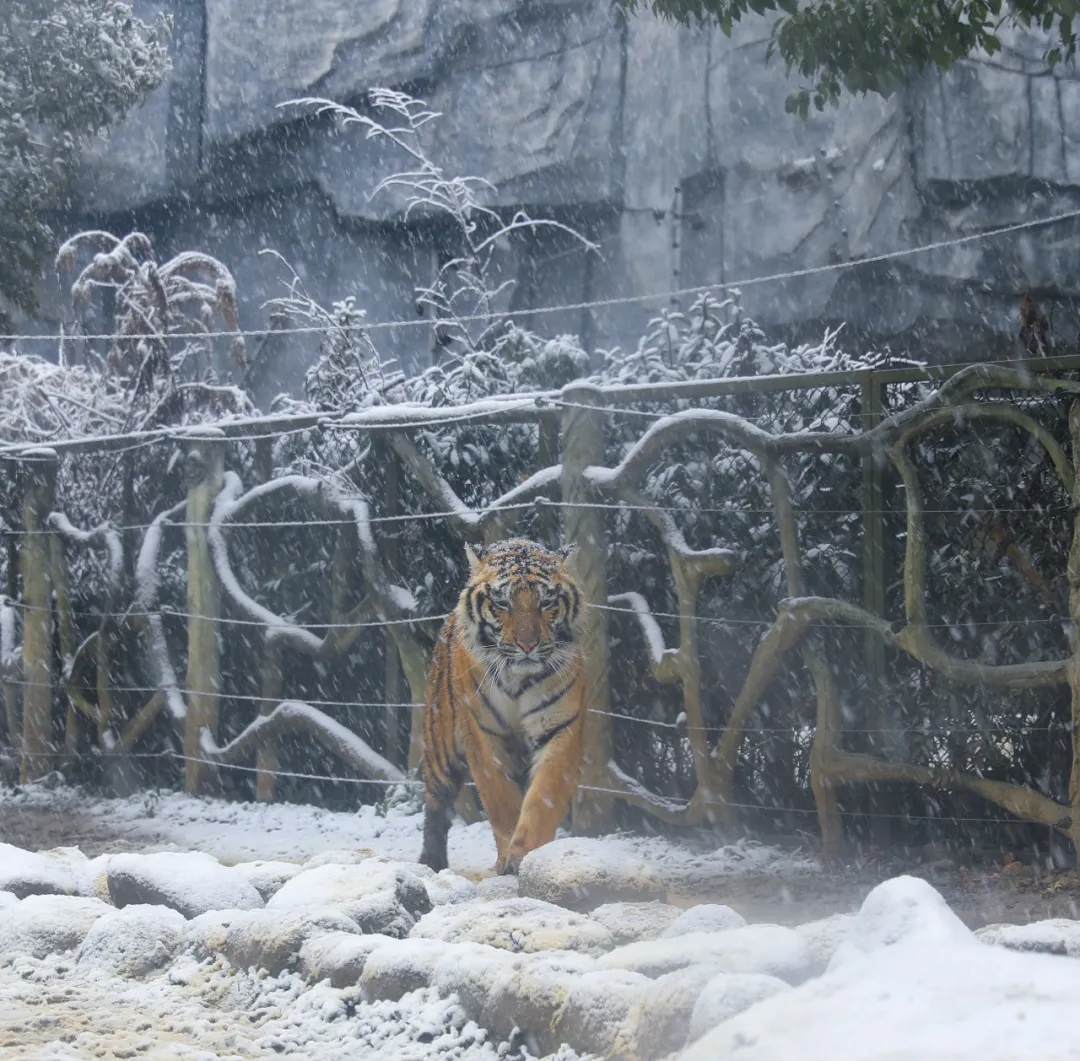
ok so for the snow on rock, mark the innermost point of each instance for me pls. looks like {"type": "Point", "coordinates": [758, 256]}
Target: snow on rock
{"type": "Point", "coordinates": [707, 917]}
{"type": "Point", "coordinates": [901, 910]}
{"type": "Point", "coordinates": [1059, 935]}
{"type": "Point", "coordinates": [208, 934]}
{"type": "Point", "coordinates": [8, 899]}
{"type": "Point", "coordinates": [767, 949]}
{"type": "Point", "coordinates": [928, 994]}
{"type": "Point", "coordinates": [728, 994]}
{"type": "Point", "coordinates": [92, 877]}
{"type": "Point", "coordinates": [339, 857]}
{"type": "Point", "coordinates": [447, 888]}
{"type": "Point", "coordinates": [339, 957]}
{"type": "Point", "coordinates": [191, 883]}
{"type": "Point", "coordinates": [658, 1026]}
{"type": "Point", "coordinates": [500, 887]}
{"type": "Point", "coordinates": [583, 873]}
{"type": "Point", "coordinates": [597, 1007]}
{"type": "Point", "coordinates": [517, 925]}
{"type": "Point", "coordinates": [379, 896]}
{"type": "Point", "coordinates": [401, 966]}
{"type": "Point", "coordinates": [26, 873]}
{"type": "Point", "coordinates": [272, 939]}
{"type": "Point", "coordinates": [524, 991]}
{"type": "Point", "coordinates": [825, 937]}
{"type": "Point", "coordinates": [630, 922]}
{"type": "Point", "coordinates": [46, 924]}
{"type": "Point", "coordinates": [480, 977]}
{"type": "Point", "coordinates": [132, 942]}
{"type": "Point", "coordinates": [266, 876]}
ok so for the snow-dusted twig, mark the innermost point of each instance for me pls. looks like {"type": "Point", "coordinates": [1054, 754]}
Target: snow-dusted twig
{"type": "Point", "coordinates": [104, 535]}
{"type": "Point", "coordinates": [291, 717]}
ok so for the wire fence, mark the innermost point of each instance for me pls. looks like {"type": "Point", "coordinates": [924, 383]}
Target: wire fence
{"type": "Point", "coordinates": [116, 639]}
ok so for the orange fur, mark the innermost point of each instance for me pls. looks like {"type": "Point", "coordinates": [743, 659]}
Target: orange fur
{"type": "Point", "coordinates": [506, 701]}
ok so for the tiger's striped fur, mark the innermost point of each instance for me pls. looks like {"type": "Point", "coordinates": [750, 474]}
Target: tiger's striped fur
{"type": "Point", "coordinates": [506, 700]}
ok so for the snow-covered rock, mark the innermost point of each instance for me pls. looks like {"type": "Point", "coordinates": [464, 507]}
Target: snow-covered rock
{"type": "Point", "coordinates": [583, 873]}
{"type": "Point", "coordinates": [401, 966]}
{"type": "Point", "coordinates": [501, 887]}
{"type": "Point", "coordinates": [272, 939]}
{"type": "Point", "coordinates": [629, 922]}
{"type": "Point", "coordinates": [208, 934]}
{"type": "Point", "coordinates": [482, 978]}
{"type": "Point", "coordinates": [918, 987]}
{"type": "Point", "coordinates": [8, 899]}
{"type": "Point", "coordinates": [447, 887]}
{"type": "Point", "coordinates": [708, 917]}
{"type": "Point", "coordinates": [339, 957]}
{"type": "Point", "coordinates": [1058, 935]}
{"type": "Point", "coordinates": [901, 910]}
{"type": "Point", "coordinates": [517, 925]}
{"type": "Point", "coordinates": [728, 994]}
{"type": "Point", "coordinates": [379, 896]}
{"type": "Point", "coordinates": [339, 857]}
{"type": "Point", "coordinates": [659, 1023]}
{"type": "Point", "coordinates": [266, 876]}
{"type": "Point", "coordinates": [767, 949]}
{"type": "Point", "coordinates": [92, 877]}
{"type": "Point", "coordinates": [47, 924]}
{"type": "Point", "coordinates": [191, 883]}
{"type": "Point", "coordinates": [597, 1006]}
{"type": "Point", "coordinates": [26, 873]}
{"type": "Point", "coordinates": [132, 942]}
{"type": "Point", "coordinates": [825, 936]}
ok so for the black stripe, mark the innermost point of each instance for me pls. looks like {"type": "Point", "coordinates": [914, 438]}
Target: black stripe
{"type": "Point", "coordinates": [491, 732]}
{"type": "Point", "coordinates": [548, 701]}
{"type": "Point", "coordinates": [491, 707]}
{"type": "Point", "coordinates": [545, 738]}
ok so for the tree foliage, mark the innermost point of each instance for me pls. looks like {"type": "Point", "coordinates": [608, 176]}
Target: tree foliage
{"type": "Point", "coordinates": [866, 46]}
{"type": "Point", "coordinates": [68, 70]}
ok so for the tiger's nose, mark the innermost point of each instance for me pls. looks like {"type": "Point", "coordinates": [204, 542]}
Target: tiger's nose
{"type": "Point", "coordinates": [527, 646]}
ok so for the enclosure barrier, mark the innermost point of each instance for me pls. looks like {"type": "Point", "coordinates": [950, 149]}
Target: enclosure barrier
{"type": "Point", "coordinates": [47, 668]}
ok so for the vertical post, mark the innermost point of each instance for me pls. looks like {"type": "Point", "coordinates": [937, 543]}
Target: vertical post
{"type": "Point", "coordinates": [266, 759]}
{"type": "Point", "coordinates": [583, 427]}
{"type": "Point", "coordinates": [1073, 576]}
{"type": "Point", "coordinates": [38, 474]}
{"type": "Point", "coordinates": [547, 455]}
{"type": "Point", "coordinates": [204, 474]}
{"type": "Point", "coordinates": [392, 678]}
{"type": "Point", "coordinates": [872, 503]}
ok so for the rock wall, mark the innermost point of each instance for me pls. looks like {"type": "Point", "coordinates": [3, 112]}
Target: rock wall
{"type": "Point", "coordinates": [670, 147]}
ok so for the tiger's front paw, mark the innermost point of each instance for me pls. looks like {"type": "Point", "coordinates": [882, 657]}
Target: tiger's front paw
{"type": "Point", "coordinates": [507, 867]}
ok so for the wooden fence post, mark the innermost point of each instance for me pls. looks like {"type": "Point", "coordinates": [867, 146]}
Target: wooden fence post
{"type": "Point", "coordinates": [266, 758]}
{"type": "Point", "coordinates": [872, 503]}
{"type": "Point", "coordinates": [204, 473]}
{"type": "Point", "coordinates": [38, 475]}
{"type": "Point", "coordinates": [583, 429]}
{"type": "Point", "coordinates": [392, 680]}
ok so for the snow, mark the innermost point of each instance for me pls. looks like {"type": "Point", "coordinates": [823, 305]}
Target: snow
{"type": "Point", "coordinates": [706, 917]}
{"type": "Point", "coordinates": [650, 628]}
{"type": "Point", "coordinates": [769, 949]}
{"type": "Point", "coordinates": [40, 925]}
{"type": "Point", "coordinates": [727, 994]}
{"type": "Point", "coordinates": [581, 872]}
{"type": "Point", "coordinates": [192, 883]}
{"type": "Point", "coordinates": [28, 873]}
{"type": "Point", "coordinates": [1056, 936]}
{"type": "Point", "coordinates": [629, 922]}
{"type": "Point", "coordinates": [132, 942]}
{"type": "Point", "coordinates": [516, 925]}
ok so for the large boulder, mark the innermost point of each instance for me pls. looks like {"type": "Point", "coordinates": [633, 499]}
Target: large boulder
{"type": "Point", "coordinates": [826, 936]}
{"type": "Point", "coordinates": [266, 876]}
{"type": "Point", "coordinates": [658, 1026]}
{"type": "Point", "coordinates": [191, 883]}
{"type": "Point", "coordinates": [582, 873]}
{"type": "Point", "coordinates": [339, 957]}
{"type": "Point", "coordinates": [133, 942]}
{"type": "Point", "coordinates": [517, 925]}
{"type": "Point", "coordinates": [401, 966]}
{"type": "Point", "coordinates": [47, 924]}
{"type": "Point", "coordinates": [728, 994]}
{"type": "Point", "coordinates": [594, 1016]}
{"type": "Point", "coordinates": [273, 939]}
{"type": "Point", "coordinates": [26, 873]}
{"type": "Point", "coordinates": [630, 922]}
{"type": "Point", "coordinates": [379, 896]}
{"type": "Point", "coordinates": [767, 949]}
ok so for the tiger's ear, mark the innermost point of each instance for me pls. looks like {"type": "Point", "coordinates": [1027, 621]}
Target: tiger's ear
{"type": "Point", "coordinates": [474, 554]}
{"type": "Point", "coordinates": [569, 554]}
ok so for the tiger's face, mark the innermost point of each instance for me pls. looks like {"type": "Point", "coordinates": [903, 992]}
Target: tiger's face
{"type": "Point", "coordinates": [523, 610]}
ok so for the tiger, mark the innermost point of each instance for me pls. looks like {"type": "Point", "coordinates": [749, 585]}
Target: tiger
{"type": "Point", "coordinates": [506, 700]}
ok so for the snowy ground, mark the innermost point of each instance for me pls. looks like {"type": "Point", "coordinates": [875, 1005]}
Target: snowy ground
{"type": "Point", "coordinates": [211, 931]}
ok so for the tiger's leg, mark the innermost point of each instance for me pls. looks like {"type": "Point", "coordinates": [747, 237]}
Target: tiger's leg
{"type": "Point", "coordinates": [442, 762]}
{"type": "Point", "coordinates": [550, 792]}
{"type": "Point", "coordinates": [490, 765]}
